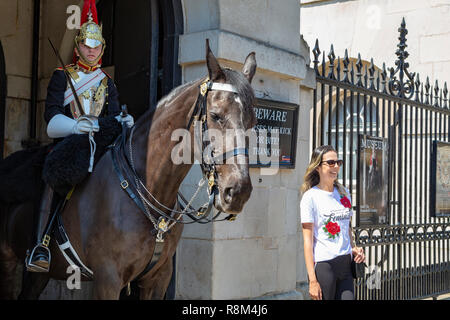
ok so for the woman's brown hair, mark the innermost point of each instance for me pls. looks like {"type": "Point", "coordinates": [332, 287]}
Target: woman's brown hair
{"type": "Point", "coordinates": [311, 177]}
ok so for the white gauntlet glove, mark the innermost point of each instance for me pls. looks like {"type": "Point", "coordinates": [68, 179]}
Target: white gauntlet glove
{"type": "Point", "coordinates": [86, 125]}
{"type": "Point", "coordinates": [129, 120]}
{"type": "Point", "coordinates": [61, 126]}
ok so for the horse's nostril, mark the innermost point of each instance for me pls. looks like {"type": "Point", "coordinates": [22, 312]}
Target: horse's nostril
{"type": "Point", "coordinates": [228, 194]}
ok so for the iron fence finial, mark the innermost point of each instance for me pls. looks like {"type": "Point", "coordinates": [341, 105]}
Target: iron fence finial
{"type": "Point", "coordinates": [331, 58]}
{"type": "Point", "coordinates": [316, 52]}
{"type": "Point", "coordinates": [445, 91]}
{"type": "Point", "coordinates": [436, 94]}
{"type": "Point", "coordinates": [403, 87]}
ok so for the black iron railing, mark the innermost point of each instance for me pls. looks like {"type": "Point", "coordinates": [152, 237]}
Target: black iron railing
{"type": "Point", "coordinates": [408, 257]}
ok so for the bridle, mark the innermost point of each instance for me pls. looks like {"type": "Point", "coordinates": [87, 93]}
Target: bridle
{"type": "Point", "coordinates": [199, 118]}
{"type": "Point", "coordinates": [136, 190]}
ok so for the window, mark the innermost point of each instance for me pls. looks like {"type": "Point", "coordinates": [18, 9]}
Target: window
{"type": "Point", "coordinates": [355, 113]}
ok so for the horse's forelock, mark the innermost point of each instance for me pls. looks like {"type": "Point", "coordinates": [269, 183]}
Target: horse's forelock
{"type": "Point", "coordinates": [243, 87]}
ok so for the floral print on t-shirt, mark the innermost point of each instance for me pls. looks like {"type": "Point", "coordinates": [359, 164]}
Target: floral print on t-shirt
{"type": "Point", "coordinates": [332, 229]}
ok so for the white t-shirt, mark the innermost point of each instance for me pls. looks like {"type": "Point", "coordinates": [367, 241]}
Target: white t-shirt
{"type": "Point", "coordinates": [328, 214]}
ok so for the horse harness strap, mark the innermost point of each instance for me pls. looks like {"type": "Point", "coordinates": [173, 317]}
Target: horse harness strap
{"type": "Point", "coordinates": [124, 183]}
{"type": "Point", "coordinates": [157, 251]}
{"type": "Point", "coordinates": [206, 86]}
{"type": "Point", "coordinates": [159, 246]}
{"type": "Point", "coordinates": [64, 244]}
{"type": "Point", "coordinates": [122, 167]}
{"type": "Point", "coordinates": [68, 251]}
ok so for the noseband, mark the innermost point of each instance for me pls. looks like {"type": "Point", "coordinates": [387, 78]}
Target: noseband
{"type": "Point", "coordinates": [124, 166]}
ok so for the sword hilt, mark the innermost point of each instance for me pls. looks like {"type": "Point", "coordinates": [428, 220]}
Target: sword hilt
{"type": "Point", "coordinates": [124, 112]}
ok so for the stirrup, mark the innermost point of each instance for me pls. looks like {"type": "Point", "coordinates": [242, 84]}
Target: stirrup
{"type": "Point", "coordinates": [37, 267]}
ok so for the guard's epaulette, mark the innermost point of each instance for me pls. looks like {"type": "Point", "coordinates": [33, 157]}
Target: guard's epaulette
{"type": "Point", "coordinates": [67, 67]}
{"type": "Point", "coordinates": [106, 73]}
{"type": "Point", "coordinates": [72, 70]}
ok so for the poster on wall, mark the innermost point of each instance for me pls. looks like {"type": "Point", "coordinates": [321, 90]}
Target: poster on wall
{"type": "Point", "coordinates": [440, 180]}
{"type": "Point", "coordinates": [276, 134]}
{"type": "Point", "coordinates": [373, 180]}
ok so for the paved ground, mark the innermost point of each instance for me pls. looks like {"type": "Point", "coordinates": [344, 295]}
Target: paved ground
{"type": "Point", "coordinates": [442, 297]}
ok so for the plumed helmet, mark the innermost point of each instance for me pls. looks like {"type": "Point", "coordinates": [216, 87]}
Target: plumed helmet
{"type": "Point", "coordinates": [90, 32]}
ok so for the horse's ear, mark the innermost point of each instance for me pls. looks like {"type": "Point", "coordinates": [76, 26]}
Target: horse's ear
{"type": "Point", "coordinates": [214, 69]}
{"type": "Point", "coordinates": [249, 67]}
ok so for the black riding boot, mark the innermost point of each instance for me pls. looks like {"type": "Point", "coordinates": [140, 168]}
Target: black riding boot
{"type": "Point", "coordinates": [39, 259]}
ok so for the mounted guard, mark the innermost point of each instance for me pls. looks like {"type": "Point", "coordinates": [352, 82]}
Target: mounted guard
{"type": "Point", "coordinates": [83, 116]}
{"type": "Point", "coordinates": [133, 192]}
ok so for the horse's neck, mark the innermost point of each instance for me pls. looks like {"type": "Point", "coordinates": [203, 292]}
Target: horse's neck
{"type": "Point", "coordinates": [162, 176]}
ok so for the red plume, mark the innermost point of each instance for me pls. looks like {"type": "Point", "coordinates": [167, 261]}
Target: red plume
{"type": "Point", "coordinates": [94, 11]}
{"type": "Point", "coordinates": [89, 5]}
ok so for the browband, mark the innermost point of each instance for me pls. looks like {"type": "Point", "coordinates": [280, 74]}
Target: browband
{"type": "Point", "coordinates": [223, 87]}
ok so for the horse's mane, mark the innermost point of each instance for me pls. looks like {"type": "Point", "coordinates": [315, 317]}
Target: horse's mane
{"type": "Point", "coordinates": [148, 115]}
{"type": "Point", "coordinates": [174, 93]}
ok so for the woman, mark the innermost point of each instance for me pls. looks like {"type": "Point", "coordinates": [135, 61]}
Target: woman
{"type": "Point", "coordinates": [326, 220]}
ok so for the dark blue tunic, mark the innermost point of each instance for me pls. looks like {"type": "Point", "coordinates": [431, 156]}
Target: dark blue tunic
{"type": "Point", "coordinates": [55, 98]}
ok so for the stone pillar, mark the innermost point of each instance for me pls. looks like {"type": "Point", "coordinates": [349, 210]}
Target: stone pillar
{"type": "Point", "coordinates": [258, 254]}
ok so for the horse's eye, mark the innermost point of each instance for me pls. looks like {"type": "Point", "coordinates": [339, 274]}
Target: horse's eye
{"type": "Point", "coordinates": [215, 117]}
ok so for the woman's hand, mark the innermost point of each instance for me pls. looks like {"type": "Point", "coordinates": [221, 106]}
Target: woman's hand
{"type": "Point", "coordinates": [358, 254]}
{"type": "Point", "coordinates": [314, 290]}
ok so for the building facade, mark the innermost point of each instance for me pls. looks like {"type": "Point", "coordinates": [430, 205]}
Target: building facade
{"type": "Point", "coordinates": [260, 254]}
{"type": "Point", "coordinates": [267, 232]}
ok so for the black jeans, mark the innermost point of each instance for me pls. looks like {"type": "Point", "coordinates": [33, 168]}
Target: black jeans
{"type": "Point", "coordinates": [335, 278]}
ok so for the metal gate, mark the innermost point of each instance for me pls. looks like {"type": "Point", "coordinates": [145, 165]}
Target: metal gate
{"type": "Point", "coordinates": [408, 257]}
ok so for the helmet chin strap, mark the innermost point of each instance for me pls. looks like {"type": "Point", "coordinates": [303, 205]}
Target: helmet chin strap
{"type": "Point", "coordinates": [85, 63]}
{"type": "Point", "coordinates": [87, 66]}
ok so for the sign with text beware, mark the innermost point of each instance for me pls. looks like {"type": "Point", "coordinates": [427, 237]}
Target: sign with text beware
{"type": "Point", "coordinates": [276, 134]}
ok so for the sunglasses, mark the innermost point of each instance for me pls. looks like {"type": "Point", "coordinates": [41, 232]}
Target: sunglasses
{"type": "Point", "coordinates": [333, 163]}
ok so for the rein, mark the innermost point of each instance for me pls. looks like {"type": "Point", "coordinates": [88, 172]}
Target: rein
{"type": "Point", "coordinates": [135, 188]}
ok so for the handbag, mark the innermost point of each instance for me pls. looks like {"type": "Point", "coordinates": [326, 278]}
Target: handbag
{"type": "Point", "coordinates": [357, 269]}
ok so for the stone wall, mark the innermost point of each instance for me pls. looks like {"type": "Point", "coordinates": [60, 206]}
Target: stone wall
{"type": "Point", "coordinates": [16, 35]}
{"type": "Point", "coordinates": [259, 253]}
{"type": "Point", "coordinates": [370, 27]}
